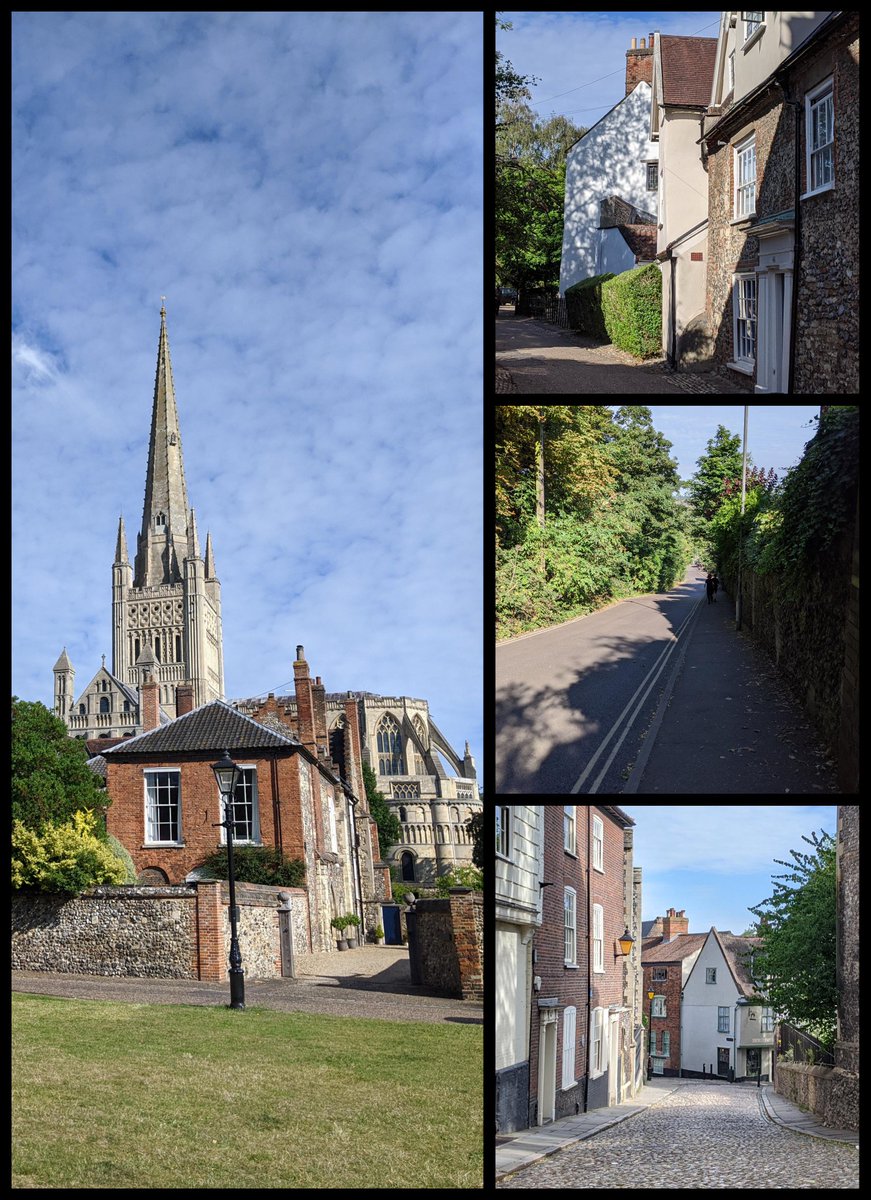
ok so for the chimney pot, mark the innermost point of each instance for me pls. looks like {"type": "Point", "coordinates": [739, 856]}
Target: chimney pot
{"type": "Point", "coordinates": [642, 46]}
{"type": "Point", "coordinates": [634, 40]}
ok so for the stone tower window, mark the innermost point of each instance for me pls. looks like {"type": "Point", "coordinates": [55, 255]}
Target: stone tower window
{"type": "Point", "coordinates": [104, 704]}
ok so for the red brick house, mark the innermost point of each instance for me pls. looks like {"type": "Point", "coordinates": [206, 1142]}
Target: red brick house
{"type": "Point", "coordinates": [166, 808]}
{"type": "Point", "coordinates": [667, 958]}
{"type": "Point", "coordinates": [585, 1017]}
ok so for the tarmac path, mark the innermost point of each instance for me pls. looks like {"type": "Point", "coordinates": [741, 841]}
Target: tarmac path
{"type": "Point", "coordinates": [544, 358]}
{"type": "Point", "coordinates": [370, 981]}
{"type": "Point", "coordinates": [654, 695]}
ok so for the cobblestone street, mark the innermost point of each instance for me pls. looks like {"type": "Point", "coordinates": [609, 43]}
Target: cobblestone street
{"type": "Point", "coordinates": [702, 1135]}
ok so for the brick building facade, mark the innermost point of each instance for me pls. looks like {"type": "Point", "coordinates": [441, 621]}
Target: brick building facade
{"type": "Point", "coordinates": [166, 809]}
{"type": "Point", "coordinates": [585, 1023]}
{"type": "Point", "coordinates": [668, 954]}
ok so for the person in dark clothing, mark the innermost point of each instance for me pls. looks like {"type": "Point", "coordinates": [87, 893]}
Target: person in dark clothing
{"type": "Point", "coordinates": [716, 587]}
{"type": "Point", "coordinates": [709, 587]}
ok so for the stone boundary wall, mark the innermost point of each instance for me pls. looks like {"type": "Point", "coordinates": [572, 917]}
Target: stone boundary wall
{"type": "Point", "coordinates": [180, 932]}
{"type": "Point", "coordinates": [829, 1092]}
{"type": "Point", "coordinates": [446, 940]}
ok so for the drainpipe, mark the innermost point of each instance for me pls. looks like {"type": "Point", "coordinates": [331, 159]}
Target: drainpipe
{"type": "Point", "coordinates": [796, 107]}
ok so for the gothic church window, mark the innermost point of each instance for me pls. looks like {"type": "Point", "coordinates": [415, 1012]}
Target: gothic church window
{"type": "Point", "coordinates": [390, 761]}
{"type": "Point", "coordinates": [104, 704]}
{"type": "Point", "coordinates": [407, 862]}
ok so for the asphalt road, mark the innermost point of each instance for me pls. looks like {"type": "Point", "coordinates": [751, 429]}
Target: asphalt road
{"type": "Point", "coordinates": [565, 697]}
{"type": "Point", "coordinates": [657, 695]}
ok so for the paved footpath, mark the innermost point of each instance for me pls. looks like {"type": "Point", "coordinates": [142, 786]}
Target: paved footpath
{"type": "Point", "coordinates": [370, 981]}
{"type": "Point", "coordinates": [545, 358]}
{"type": "Point", "coordinates": [683, 1133]}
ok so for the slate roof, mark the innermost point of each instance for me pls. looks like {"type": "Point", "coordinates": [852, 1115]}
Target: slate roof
{"type": "Point", "coordinates": [215, 727]}
{"type": "Point", "coordinates": [687, 69]}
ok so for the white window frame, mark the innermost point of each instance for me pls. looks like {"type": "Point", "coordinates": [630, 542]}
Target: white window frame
{"type": "Point", "coordinates": [740, 189]}
{"type": "Point", "coordinates": [812, 101]}
{"type": "Point", "coordinates": [658, 1007]}
{"type": "Point", "coordinates": [569, 829]}
{"type": "Point", "coordinates": [503, 831]}
{"type": "Point", "coordinates": [710, 974]}
{"type": "Point", "coordinates": [723, 1018]}
{"type": "Point", "coordinates": [150, 820]}
{"type": "Point", "coordinates": [731, 72]}
{"type": "Point", "coordinates": [598, 939]}
{"type": "Point", "coordinates": [740, 340]}
{"type": "Point", "coordinates": [569, 1030]}
{"type": "Point", "coordinates": [598, 843]}
{"type": "Point", "coordinates": [752, 29]}
{"type": "Point", "coordinates": [598, 1042]}
{"type": "Point", "coordinates": [570, 926]}
{"type": "Point", "coordinates": [254, 840]}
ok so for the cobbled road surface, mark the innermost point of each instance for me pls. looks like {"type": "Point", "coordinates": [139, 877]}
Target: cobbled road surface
{"type": "Point", "coordinates": [703, 1135]}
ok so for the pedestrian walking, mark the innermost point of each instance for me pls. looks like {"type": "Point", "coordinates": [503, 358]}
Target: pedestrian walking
{"type": "Point", "coordinates": [709, 587]}
{"type": "Point", "coordinates": [716, 586]}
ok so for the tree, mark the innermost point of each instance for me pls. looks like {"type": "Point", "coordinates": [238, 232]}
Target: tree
{"type": "Point", "coordinates": [50, 777]}
{"type": "Point", "coordinates": [64, 856]}
{"type": "Point", "coordinates": [797, 959]}
{"type": "Point", "coordinates": [475, 829]}
{"type": "Point", "coordinates": [389, 828]}
{"type": "Point", "coordinates": [721, 460]}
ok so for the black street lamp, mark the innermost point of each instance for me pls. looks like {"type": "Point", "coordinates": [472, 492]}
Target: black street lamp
{"type": "Point", "coordinates": [228, 774]}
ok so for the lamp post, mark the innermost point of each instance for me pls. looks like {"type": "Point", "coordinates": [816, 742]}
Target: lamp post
{"type": "Point", "coordinates": [227, 775]}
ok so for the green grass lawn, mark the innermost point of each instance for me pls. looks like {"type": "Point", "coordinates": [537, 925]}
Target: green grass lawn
{"type": "Point", "coordinates": [179, 1096]}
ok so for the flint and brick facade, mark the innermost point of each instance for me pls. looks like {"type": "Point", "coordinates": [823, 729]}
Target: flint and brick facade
{"type": "Point", "coordinates": [783, 248]}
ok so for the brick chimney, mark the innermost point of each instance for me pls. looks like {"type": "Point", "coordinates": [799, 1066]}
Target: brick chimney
{"type": "Point", "coordinates": [320, 717]}
{"type": "Point", "coordinates": [149, 708]}
{"type": "Point", "coordinates": [674, 923]}
{"type": "Point", "coordinates": [639, 64]}
{"type": "Point", "coordinates": [184, 699]}
{"type": "Point", "coordinates": [304, 701]}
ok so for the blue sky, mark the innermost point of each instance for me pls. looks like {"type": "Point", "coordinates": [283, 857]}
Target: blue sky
{"type": "Point", "coordinates": [305, 189]}
{"type": "Point", "coordinates": [579, 58]}
{"type": "Point", "coordinates": [715, 860]}
{"type": "Point", "coordinates": [776, 433]}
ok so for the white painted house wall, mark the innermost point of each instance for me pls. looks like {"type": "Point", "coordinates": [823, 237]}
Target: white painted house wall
{"type": "Point", "coordinates": [700, 1037]}
{"type": "Point", "coordinates": [518, 913]}
{"type": "Point", "coordinates": [608, 160]}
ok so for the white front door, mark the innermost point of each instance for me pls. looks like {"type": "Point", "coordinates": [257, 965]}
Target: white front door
{"type": "Point", "coordinates": [774, 311]}
{"type": "Point", "coordinates": [547, 1068]}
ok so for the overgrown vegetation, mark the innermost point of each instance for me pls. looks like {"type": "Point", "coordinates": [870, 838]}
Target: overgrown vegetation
{"type": "Point", "coordinates": [586, 511]}
{"type": "Point", "coordinates": [789, 527]}
{"type": "Point", "coordinates": [796, 964]}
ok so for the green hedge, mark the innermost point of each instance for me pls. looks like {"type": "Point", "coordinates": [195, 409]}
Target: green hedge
{"type": "Point", "coordinates": [632, 308]}
{"type": "Point", "coordinates": [584, 305]}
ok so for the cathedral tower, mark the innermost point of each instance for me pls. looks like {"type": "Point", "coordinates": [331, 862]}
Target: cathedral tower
{"type": "Point", "coordinates": [169, 601]}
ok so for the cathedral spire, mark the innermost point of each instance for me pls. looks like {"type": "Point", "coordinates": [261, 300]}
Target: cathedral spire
{"type": "Point", "coordinates": [162, 543]}
{"type": "Point", "coordinates": [121, 545]}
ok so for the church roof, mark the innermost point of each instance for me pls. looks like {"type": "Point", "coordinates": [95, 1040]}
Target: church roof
{"type": "Point", "coordinates": [215, 726]}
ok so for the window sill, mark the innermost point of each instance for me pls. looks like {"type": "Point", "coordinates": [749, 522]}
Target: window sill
{"type": "Point", "coordinates": [829, 187]}
{"type": "Point", "coordinates": [744, 368]}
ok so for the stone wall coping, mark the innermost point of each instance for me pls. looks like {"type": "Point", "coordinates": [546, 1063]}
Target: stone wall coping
{"type": "Point", "coordinates": [133, 892]}
{"type": "Point", "coordinates": [805, 1068]}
